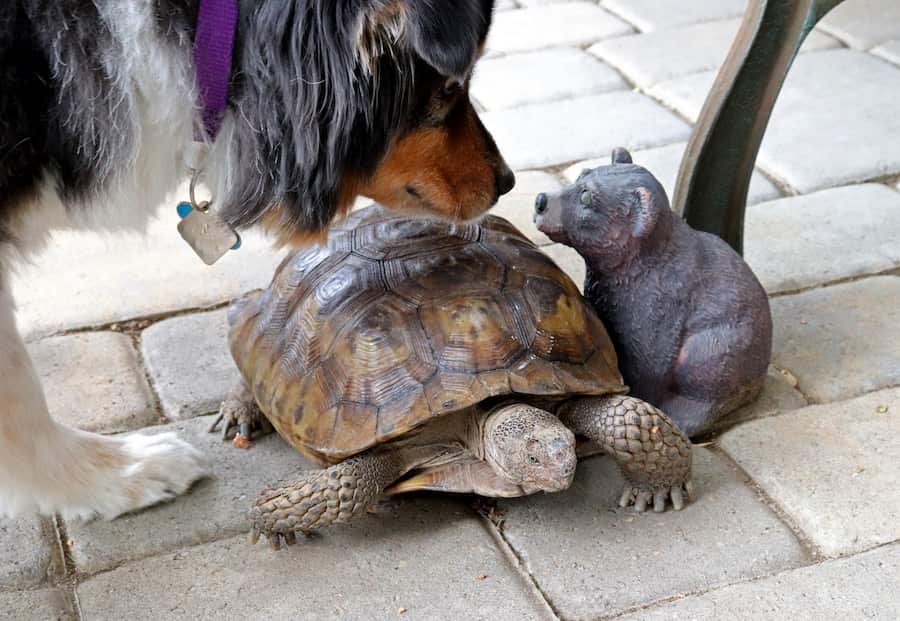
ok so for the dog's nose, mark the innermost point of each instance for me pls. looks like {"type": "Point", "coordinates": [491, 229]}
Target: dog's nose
{"type": "Point", "coordinates": [540, 203]}
{"type": "Point", "coordinates": [506, 180]}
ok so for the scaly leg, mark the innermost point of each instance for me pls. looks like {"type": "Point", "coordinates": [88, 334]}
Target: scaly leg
{"type": "Point", "coordinates": [652, 453]}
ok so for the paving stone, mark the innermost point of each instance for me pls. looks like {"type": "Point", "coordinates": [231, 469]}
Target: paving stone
{"type": "Point", "coordinates": [593, 560]}
{"type": "Point", "coordinates": [94, 381]}
{"type": "Point", "coordinates": [859, 225]}
{"type": "Point", "coordinates": [570, 262]}
{"type": "Point", "coordinates": [889, 51]}
{"type": "Point", "coordinates": [189, 363]}
{"type": "Point", "coordinates": [46, 605]}
{"type": "Point", "coordinates": [75, 283]}
{"type": "Point", "coordinates": [863, 24]}
{"type": "Point", "coordinates": [546, 75]}
{"type": "Point", "coordinates": [833, 124]}
{"type": "Point", "coordinates": [214, 509]}
{"type": "Point", "coordinates": [518, 205]}
{"type": "Point", "coordinates": [25, 553]}
{"type": "Point", "coordinates": [832, 468]}
{"type": "Point", "coordinates": [666, 54]}
{"type": "Point", "coordinates": [649, 15]}
{"type": "Point", "coordinates": [860, 587]}
{"type": "Point", "coordinates": [427, 558]}
{"type": "Point", "coordinates": [565, 23]}
{"type": "Point", "coordinates": [663, 162]}
{"type": "Point", "coordinates": [505, 5]}
{"type": "Point", "coordinates": [540, 135]}
{"type": "Point", "coordinates": [840, 341]}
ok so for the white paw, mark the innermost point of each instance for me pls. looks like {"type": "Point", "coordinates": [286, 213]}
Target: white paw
{"type": "Point", "coordinates": [155, 469]}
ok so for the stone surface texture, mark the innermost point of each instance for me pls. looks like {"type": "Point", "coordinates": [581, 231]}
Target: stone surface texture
{"type": "Point", "coordinates": [592, 559]}
{"type": "Point", "coordinates": [189, 363]}
{"type": "Point", "coordinates": [797, 506]}
{"type": "Point", "coordinates": [546, 134]}
{"type": "Point", "coordinates": [847, 445]}
{"type": "Point", "coordinates": [94, 381]}
{"type": "Point", "coordinates": [839, 341]}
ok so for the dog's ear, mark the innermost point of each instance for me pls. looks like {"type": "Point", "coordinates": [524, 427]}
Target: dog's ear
{"type": "Point", "coordinates": [446, 35]}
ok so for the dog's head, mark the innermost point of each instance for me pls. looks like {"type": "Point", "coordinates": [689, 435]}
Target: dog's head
{"type": "Point", "coordinates": [341, 98]}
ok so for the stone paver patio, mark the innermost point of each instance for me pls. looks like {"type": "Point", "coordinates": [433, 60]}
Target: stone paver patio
{"type": "Point", "coordinates": [798, 508]}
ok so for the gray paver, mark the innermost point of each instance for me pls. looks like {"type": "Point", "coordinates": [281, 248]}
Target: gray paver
{"type": "Point", "coordinates": [864, 24]}
{"type": "Point", "coordinates": [25, 554]}
{"type": "Point", "coordinates": [833, 124]}
{"type": "Point", "coordinates": [666, 54]}
{"type": "Point", "coordinates": [423, 555]}
{"type": "Point", "coordinates": [831, 467]}
{"type": "Point", "coordinates": [518, 205]}
{"type": "Point", "coordinates": [840, 341]}
{"type": "Point", "coordinates": [858, 225]}
{"type": "Point", "coordinates": [566, 23]}
{"type": "Point", "coordinates": [189, 363]}
{"type": "Point", "coordinates": [94, 381]}
{"type": "Point", "coordinates": [541, 135]}
{"type": "Point", "coordinates": [546, 75]}
{"type": "Point", "coordinates": [663, 162]}
{"type": "Point", "coordinates": [592, 560]}
{"type": "Point", "coordinates": [861, 587]}
{"type": "Point", "coordinates": [570, 262]}
{"type": "Point", "coordinates": [46, 605]}
{"type": "Point", "coordinates": [215, 508]}
{"type": "Point", "coordinates": [650, 15]}
{"type": "Point", "coordinates": [889, 51]}
{"type": "Point", "coordinates": [74, 282]}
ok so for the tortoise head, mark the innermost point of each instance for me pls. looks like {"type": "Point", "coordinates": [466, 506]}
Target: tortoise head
{"type": "Point", "coordinates": [530, 448]}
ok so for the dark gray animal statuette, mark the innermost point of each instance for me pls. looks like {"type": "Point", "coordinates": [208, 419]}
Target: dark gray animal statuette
{"type": "Point", "coordinates": [689, 320]}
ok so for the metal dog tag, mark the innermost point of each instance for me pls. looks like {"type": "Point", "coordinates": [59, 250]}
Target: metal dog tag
{"type": "Point", "coordinates": [206, 233]}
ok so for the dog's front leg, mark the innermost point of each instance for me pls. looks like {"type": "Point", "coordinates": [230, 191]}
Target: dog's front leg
{"type": "Point", "coordinates": [50, 468]}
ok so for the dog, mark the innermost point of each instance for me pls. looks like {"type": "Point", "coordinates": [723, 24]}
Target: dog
{"type": "Point", "coordinates": [327, 100]}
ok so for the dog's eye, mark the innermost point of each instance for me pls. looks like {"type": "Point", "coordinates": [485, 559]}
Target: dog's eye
{"type": "Point", "coordinates": [586, 198]}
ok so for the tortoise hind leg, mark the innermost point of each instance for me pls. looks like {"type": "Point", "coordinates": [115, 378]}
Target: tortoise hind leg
{"type": "Point", "coordinates": [653, 455]}
{"type": "Point", "coordinates": [240, 413]}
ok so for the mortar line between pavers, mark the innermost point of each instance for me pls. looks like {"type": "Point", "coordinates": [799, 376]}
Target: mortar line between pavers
{"type": "Point", "coordinates": [136, 342]}
{"type": "Point", "coordinates": [813, 551]}
{"type": "Point", "coordinates": [515, 560]}
{"type": "Point", "coordinates": [891, 271]}
{"type": "Point", "coordinates": [614, 13]}
{"type": "Point", "coordinates": [66, 581]}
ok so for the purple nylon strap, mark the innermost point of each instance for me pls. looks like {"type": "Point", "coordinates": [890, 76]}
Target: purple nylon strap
{"type": "Point", "coordinates": [213, 45]}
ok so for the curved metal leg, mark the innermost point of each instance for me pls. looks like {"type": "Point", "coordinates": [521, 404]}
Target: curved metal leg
{"type": "Point", "coordinates": [711, 191]}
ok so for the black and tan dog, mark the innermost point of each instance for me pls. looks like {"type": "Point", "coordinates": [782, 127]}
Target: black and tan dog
{"type": "Point", "coordinates": [327, 100]}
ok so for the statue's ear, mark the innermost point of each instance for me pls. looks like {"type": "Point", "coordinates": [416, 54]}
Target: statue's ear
{"type": "Point", "coordinates": [620, 155]}
{"type": "Point", "coordinates": [645, 213]}
{"type": "Point", "coordinates": [448, 39]}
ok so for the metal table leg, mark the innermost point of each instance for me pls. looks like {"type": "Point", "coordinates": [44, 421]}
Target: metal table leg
{"type": "Point", "coordinates": [711, 191]}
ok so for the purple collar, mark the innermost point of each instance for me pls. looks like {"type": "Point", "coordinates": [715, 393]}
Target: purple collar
{"type": "Point", "coordinates": [213, 45]}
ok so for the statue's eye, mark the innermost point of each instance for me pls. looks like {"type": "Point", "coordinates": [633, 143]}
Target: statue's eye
{"type": "Point", "coordinates": [586, 198]}
{"type": "Point", "coordinates": [532, 459]}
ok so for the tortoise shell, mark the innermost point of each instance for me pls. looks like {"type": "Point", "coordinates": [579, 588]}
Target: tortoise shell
{"type": "Point", "coordinates": [398, 320]}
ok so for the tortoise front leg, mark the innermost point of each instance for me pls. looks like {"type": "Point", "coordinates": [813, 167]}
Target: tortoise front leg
{"type": "Point", "coordinates": [652, 453]}
{"type": "Point", "coordinates": [320, 498]}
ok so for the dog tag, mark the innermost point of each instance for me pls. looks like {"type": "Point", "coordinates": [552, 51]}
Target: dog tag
{"type": "Point", "coordinates": [206, 233]}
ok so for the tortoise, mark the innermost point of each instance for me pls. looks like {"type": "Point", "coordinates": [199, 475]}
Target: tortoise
{"type": "Point", "coordinates": [416, 354]}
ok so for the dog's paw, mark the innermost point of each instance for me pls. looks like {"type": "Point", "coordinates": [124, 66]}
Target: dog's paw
{"type": "Point", "coordinates": [144, 470]}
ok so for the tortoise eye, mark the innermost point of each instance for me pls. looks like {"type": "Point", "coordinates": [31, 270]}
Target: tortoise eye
{"type": "Point", "coordinates": [532, 459]}
{"type": "Point", "coordinates": [586, 198]}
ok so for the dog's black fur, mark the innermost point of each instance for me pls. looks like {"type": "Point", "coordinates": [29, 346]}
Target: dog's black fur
{"type": "Point", "coordinates": [313, 107]}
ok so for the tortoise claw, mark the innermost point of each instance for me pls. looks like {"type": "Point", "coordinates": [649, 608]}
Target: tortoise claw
{"type": "Point", "coordinates": [679, 493]}
{"type": "Point", "coordinates": [215, 423]}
